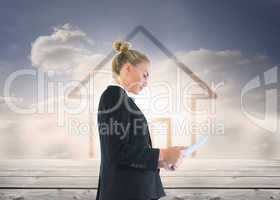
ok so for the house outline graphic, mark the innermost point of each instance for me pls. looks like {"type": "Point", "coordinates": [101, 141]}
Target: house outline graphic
{"type": "Point", "coordinates": [141, 29]}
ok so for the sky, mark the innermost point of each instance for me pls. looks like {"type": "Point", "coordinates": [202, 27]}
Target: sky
{"type": "Point", "coordinates": [230, 41]}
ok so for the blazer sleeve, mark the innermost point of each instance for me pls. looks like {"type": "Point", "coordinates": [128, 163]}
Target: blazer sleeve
{"type": "Point", "coordinates": [121, 152]}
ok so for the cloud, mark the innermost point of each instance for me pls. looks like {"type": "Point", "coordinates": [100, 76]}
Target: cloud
{"type": "Point", "coordinates": [68, 50]}
{"type": "Point", "coordinates": [39, 135]}
{"type": "Point", "coordinates": [4, 123]}
{"type": "Point", "coordinates": [242, 138]}
{"type": "Point", "coordinates": [229, 66]}
{"type": "Point", "coordinates": [11, 99]}
{"type": "Point", "coordinates": [206, 59]}
{"type": "Point", "coordinates": [210, 65]}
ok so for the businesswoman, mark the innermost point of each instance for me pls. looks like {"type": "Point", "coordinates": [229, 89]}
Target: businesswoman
{"type": "Point", "coordinates": [130, 166]}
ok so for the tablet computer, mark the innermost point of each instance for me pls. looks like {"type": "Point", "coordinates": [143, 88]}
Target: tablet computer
{"type": "Point", "coordinates": [195, 146]}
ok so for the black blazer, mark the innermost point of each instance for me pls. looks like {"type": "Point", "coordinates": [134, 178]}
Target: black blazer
{"type": "Point", "coordinates": [129, 164]}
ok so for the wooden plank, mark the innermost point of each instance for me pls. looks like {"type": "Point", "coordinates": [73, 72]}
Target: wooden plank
{"type": "Point", "coordinates": [192, 174]}
{"type": "Point", "coordinates": [168, 182]}
{"type": "Point", "coordinates": [163, 173]}
{"type": "Point", "coordinates": [188, 163]}
{"type": "Point", "coordinates": [47, 194]}
{"type": "Point", "coordinates": [188, 168]}
{"type": "Point", "coordinates": [197, 194]}
{"type": "Point", "coordinates": [203, 163]}
{"type": "Point", "coordinates": [196, 179]}
{"type": "Point", "coordinates": [222, 194]}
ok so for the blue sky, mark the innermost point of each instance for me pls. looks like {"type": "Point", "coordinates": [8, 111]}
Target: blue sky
{"type": "Point", "coordinates": [221, 40]}
{"type": "Point", "coordinates": [249, 26]}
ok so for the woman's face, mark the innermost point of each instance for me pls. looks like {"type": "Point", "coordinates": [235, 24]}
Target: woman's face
{"type": "Point", "coordinates": [137, 76]}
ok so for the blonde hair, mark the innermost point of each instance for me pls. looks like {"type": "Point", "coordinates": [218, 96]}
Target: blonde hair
{"type": "Point", "coordinates": [126, 55]}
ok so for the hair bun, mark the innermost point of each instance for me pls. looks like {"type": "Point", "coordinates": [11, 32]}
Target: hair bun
{"type": "Point", "coordinates": [121, 46]}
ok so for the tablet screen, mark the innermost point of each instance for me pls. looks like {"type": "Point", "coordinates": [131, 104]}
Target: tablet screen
{"type": "Point", "coordinates": [195, 146]}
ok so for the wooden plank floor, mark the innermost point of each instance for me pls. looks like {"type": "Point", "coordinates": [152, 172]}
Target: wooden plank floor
{"type": "Point", "coordinates": [195, 179]}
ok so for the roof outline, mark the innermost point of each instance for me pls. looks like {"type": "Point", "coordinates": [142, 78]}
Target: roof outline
{"type": "Point", "coordinates": [141, 29]}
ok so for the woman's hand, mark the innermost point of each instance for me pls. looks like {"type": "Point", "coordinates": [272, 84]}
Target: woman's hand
{"type": "Point", "coordinates": [171, 157]}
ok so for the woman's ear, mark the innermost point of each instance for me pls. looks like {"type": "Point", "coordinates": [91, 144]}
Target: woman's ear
{"type": "Point", "coordinates": [127, 67]}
